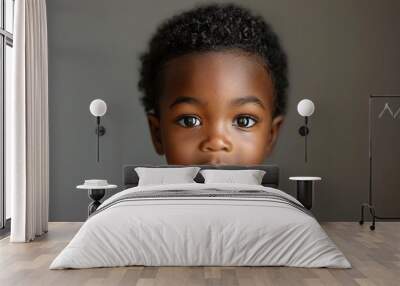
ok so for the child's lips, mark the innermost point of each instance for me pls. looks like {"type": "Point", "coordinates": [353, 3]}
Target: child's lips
{"type": "Point", "coordinates": [214, 162]}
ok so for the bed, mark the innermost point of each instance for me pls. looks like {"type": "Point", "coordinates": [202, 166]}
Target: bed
{"type": "Point", "coordinates": [201, 224]}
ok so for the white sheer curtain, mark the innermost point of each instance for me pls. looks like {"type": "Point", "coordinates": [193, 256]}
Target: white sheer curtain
{"type": "Point", "coordinates": [27, 147]}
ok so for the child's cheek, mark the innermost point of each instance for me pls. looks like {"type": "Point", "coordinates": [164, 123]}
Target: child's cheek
{"type": "Point", "coordinates": [252, 147]}
{"type": "Point", "coordinates": [182, 153]}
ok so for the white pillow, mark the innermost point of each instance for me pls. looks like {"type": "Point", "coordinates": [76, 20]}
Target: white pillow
{"type": "Point", "coordinates": [167, 175]}
{"type": "Point", "coordinates": [249, 177]}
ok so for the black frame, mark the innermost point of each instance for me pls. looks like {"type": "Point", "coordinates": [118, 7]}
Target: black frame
{"type": "Point", "coordinates": [6, 38]}
{"type": "Point", "coordinates": [370, 205]}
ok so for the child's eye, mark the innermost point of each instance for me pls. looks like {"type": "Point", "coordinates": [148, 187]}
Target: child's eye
{"type": "Point", "coordinates": [244, 121]}
{"type": "Point", "coordinates": [189, 121]}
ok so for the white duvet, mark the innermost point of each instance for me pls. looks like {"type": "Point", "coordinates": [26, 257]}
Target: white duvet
{"type": "Point", "coordinates": [185, 231]}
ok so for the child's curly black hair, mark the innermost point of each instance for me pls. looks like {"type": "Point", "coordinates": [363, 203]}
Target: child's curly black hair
{"type": "Point", "coordinates": [213, 27]}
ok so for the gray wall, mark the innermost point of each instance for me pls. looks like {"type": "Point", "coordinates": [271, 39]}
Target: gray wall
{"type": "Point", "coordinates": [339, 53]}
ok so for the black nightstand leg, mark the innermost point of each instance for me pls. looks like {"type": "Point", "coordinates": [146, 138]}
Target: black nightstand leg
{"type": "Point", "coordinates": [305, 193]}
{"type": "Point", "coordinates": [96, 195]}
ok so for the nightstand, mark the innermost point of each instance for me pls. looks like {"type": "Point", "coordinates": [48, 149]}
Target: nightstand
{"type": "Point", "coordinates": [305, 189]}
{"type": "Point", "coordinates": [96, 191]}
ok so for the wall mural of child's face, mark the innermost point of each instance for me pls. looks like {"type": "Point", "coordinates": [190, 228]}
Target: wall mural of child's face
{"type": "Point", "coordinates": [215, 108]}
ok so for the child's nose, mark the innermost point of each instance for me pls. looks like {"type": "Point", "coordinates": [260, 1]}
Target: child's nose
{"type": "Point", "coordinates": [216, 141]}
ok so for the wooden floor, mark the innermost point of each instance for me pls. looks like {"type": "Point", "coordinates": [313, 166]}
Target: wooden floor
{"type": "Point", "coordinates": [375, 257]}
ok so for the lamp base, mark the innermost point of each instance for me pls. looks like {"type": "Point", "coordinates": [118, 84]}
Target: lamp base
{"type": "Point", "coordinates": [303, 130]}
{"type": "Point", "coordinates": [101, 130]}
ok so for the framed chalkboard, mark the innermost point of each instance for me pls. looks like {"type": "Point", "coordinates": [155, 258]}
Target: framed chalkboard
{"type": "Point", "coordinates": [384, 158]}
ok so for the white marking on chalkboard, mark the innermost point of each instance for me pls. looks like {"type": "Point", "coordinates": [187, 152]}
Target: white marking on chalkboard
{"type": "Point", "coordinates": [388, 109]}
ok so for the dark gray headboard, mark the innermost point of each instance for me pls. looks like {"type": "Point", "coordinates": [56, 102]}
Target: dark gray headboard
{"type": "Point", "coordinates": [271, 178]}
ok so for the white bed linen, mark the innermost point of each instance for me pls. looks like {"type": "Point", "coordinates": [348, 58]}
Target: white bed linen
{"type": "Point", "coordinates": [206, 231]}
{"type": "Point", "coordinates": [250, 177]}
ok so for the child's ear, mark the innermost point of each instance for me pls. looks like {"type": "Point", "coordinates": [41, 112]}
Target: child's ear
{"type": "Point", "coordinates": [275, 127]}
{"type": "Point", "coordinates": [154, 124]}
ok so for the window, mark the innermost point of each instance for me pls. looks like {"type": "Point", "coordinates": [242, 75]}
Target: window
{"type": "Point", "coordinates": [6, 60]}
